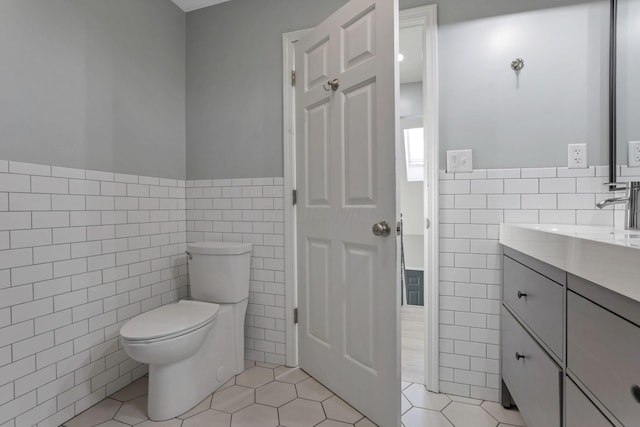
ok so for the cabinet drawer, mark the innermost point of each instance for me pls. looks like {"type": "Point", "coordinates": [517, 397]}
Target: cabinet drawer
{"type": "Point", "coordinates": [580, 411]}
{"type": "Point", "coordinates": [534, 380]}
{"type": "Point", "coordinates": [541, 308]}
{"type": "Point", "coordinates": [603, 351]}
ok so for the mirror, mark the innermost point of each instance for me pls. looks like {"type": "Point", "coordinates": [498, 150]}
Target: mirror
{"type": "Point", "coordinates": [625, 85]}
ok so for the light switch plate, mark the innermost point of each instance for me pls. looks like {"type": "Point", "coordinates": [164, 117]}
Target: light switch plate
{"type": "Point", "coordinates": [459, 161]}
{"type": "Point", "coordinates": [577, 156]}
{"type": "Point", "coordinates": [634, 154]}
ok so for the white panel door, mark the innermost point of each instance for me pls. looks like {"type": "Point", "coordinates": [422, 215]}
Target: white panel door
{"type": "Point", "coordinates": [347, 277]}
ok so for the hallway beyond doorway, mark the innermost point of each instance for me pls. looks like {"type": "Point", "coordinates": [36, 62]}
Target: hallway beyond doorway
{"type": "Point", "coordinates": [412, 344]}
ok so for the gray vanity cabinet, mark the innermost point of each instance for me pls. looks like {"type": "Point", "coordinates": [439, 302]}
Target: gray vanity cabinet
{"type": "Point", "coordinates": [570, 348]}
{"type": "Point", "coordinates": [532, 325]}
{"type": "Point", "coordinates": [603, 352]}
{"type": "Point", "coordinates": [526, 369]}
{"type": "Point", "coordinates": [580, 411]}
{"type": "Point", "coordinates": [537, 300]}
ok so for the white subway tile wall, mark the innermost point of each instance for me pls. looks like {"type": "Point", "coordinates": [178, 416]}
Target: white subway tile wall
{"type": "Point", "coordinates": [80, 253]}
{"type": "Point", "coordinates": [250, 211]}
{"type": "Point", "coordinates": [471, 208]}
{"type": "Point", "coordinates": [83, 251]}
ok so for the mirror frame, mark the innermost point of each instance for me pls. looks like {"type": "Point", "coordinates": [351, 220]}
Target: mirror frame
{"type": "Point", "coordinates": [612, 95]}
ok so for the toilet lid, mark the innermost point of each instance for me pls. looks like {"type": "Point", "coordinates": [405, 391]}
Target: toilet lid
{"type": "Point", "coordinates": [171, 319]}
{"type": "Point", "coordinates": [219, 248]}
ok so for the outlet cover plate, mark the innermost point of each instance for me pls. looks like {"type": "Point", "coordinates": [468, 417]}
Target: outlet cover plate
{"type": "Point", "coordinates": [577, 156]}
{"type": "Point", "coordinates": [634, 154]}
{"type": "Point", "coordinates": [459, 161]}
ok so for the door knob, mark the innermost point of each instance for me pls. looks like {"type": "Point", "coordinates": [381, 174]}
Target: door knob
{"type": "Point", "coordinates": [333, 85]}
{"type": "Point", "coordinates": [381, 229]}
{"type": "Point", "coordinates": [635, 391]}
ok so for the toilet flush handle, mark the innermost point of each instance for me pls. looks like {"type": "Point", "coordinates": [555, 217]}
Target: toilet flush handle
{"type": "Point", "coordinates": [189, 254]}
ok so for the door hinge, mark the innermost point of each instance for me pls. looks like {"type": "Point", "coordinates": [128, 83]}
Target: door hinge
{"type": "Point", "coordinates": [295, 316]}
{"type": "Point", "coordinates": [293, 77]}
{"type": "Point", "coordinates": [294, 197]}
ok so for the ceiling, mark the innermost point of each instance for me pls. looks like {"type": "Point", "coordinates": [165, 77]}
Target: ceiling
{"type": "Point", "coordinates": [189, 5]}
{"type": "Point", "coordinates": [411, 47]}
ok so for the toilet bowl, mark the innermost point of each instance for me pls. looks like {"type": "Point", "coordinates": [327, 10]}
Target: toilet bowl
{"type": "Point", "coordinates": [194, 347]}
{"type": "Point", "coordinates": [170, 333]}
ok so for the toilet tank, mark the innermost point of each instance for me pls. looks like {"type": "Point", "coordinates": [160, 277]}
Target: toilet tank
{"type": "Point", "coordinates": [219, 271]}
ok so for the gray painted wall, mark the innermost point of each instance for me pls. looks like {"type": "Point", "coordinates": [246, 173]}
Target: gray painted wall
{"type": "Point", "coordinates": [234, 111]}
{"type": "Point", "coordinates": [410, 102]}
{"type": "Point", "coordinates": [94, 84]}
{"type": "Point", "coordinates": [559, 98]}
{"type": "Point", "coordinates": [234, 84]}
{"type": "Point", "coordinates": [563, 93]}
{"type": "Point", "coordinates": [101, 84]}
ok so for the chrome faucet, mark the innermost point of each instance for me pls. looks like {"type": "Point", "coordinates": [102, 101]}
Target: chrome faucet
{"type": "Point", "coordinates": [632, 198]}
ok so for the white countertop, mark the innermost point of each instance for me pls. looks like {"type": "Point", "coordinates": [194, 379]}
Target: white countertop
{"type": "Point", "coordinates": [604, 255]}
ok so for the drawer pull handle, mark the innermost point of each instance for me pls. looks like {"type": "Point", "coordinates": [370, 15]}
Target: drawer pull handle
{"type": "Point", "coordinates": [520, 356]}
{"type": "Point", "coordinates": [635, 391]}
{"type": "Point", "coordinates": [521, 294]}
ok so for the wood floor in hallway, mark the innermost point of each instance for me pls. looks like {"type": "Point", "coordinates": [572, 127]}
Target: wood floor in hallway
{"type": "Point", "coordinates": [412, 327]}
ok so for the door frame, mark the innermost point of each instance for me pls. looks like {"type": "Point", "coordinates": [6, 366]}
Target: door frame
{"type": "Point", "coordinates": [425, 16]}
{"type": "Point", "coordinates": [290, 235]}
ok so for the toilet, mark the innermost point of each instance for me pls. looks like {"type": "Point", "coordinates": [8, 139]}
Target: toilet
{"type": "Point", "coordinates": [194, 346]}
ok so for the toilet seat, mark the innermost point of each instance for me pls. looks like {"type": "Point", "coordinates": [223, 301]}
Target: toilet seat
{"type": "Point", "coordinates": [169, 321]}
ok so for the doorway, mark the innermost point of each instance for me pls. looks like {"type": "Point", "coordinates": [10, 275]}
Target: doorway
{"type": "Point", "coordinates": [410, 178]}
{"type": "Point", "coordinates": [417, 183]}
{"type": "Point", "coordinates": [425, 19]}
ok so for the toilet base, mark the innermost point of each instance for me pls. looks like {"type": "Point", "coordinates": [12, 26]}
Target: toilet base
{"type": "Point", "coordinates": [174, 388]}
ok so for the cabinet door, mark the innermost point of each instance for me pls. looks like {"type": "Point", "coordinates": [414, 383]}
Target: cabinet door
{"type": "Point", "coordinates": [537, 300]}
{"type": "Point", "coordinates": [533, 379]}
{"type": "Point", "coordinates": [603, 351]}
{"type": "Point", "coordinates": [580, 411]}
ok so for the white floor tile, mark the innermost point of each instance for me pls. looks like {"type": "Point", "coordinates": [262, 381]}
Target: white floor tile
{"type": "Point", "coordinates": [463, 415]}
{"type": "Point", "coordinates": [232, 399]}
{"type": "Point", "coordinates": [290, 375]}
{"type": "Point", "coordinates": [133, 412]}
{"type": "Point", "coordinates": [337, 409]}
{"type": "Point", "coordinates": [301, 413]}
{"type": "Point", "coordinates": [101, 412]}
{"type": "Point", "coordinates": [312, 390]}
{"type": "Point", "coordinates": [255, 377]}
{"type": "Point", "coordinates": [419, 396]}
{"type": "Point", "coordinates": [200, 407]}
{"type": "Point", "coordinates": [255, 415]}
{"type": "Point", "coordinates": [275, 394]}
{"type": "Point", "coordinates": [466, 400]}
{"type": "Point", "coordinates": [418, 417]}
{"type": "Point", "coordinates": [208, 418]}
{"type": "Point", "coordinates": [135, 389]}
{"type": "Point", "coordinates": [293, 399]}
{"type": "Point", "coordinates": [506, 416]}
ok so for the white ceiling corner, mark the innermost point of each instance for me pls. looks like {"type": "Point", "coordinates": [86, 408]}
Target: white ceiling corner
{"type": "Point", "coordinates": [189, 5]}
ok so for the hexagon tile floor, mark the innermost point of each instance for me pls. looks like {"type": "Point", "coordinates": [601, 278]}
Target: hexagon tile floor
{"type": "Point", "coordinates": [421, 408]}
{"type": "Point", "coordinates": [266, 395]}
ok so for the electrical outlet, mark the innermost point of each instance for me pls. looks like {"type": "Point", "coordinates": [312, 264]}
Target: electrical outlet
{"type": "Point", "coordinates": [459, 161]}
{"type": "Point", "coordinates": [577, 156]}
{"type": "Point", "coordinates": [634, 154]}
